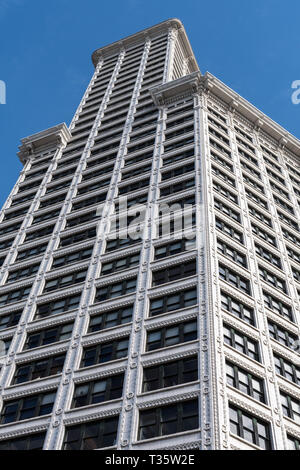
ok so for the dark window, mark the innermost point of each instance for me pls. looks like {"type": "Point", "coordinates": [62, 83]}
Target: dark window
{"type": "Point", "coordinates": [78, 237]}
{"type": "Point", "coordinates": [117, 243]}
{"type": "Point", "coordinates": [237, 308]}
{"type": "Point", "coordinates": [89, 201]}
{"type": "Point", "coordinates": [257, 199]}
{"type": "Point", "coordinates": [110, 319]}
{"type": "Point", "coordinates": [33, 251]}
{"type": "Point", "coordinates": [39, 233]}
{"type": "Point", "coordinates": [69, 258]}
{"type": "Point", "coordinates": [22, 273]}
{"type": "Point", "coordinates": [120, 263]}
{"type": "Point", "coordinates": [10, 228]}
{"type": "Point", "coordinates": [263, 235]}
{"type": "Point", "coordinates": [91, 435]}
{"type": "Point", "coordinates": [81, 219]}
{"type": "Point", "coordinates": [250, 428]}
{"type": "Point", "coordinates": [283, 336]}
{"type": "Point", "coordinates": [287, 369]}
{"type": "Point", "coordinates": [48, 336]}
{"type": "Point", "coordinates": [173, 273]}
{"type": "Point", "coordinates": [278, 306]}
{"type": "Point", "coordinates": [232, 232]}
{"type": "Point", "coordinates": [241, 342]}
{"type": "Point", "coordinates": [31, 442]}
{"type": "Point", "coordinates": [98, 391]}
{"type": "Point", "coordinates": [293, 443]}
{"type": "Point", "coordinates": [39, 369]}
{"type": "Point", "coordinates": [58, 306]}
{"type": "Point", "coordinates": [235, 279]}
{"type": "Point", "coordinates": [134, 186]}
{"type": "Point", "coordinates": [171, 419]}
{"type": "Point", "coordinates": [253, 183]}
{"type": "Point", "coordinates": [64, 281]}
{"type": "Point", "coordinates": [171, 335]}
{"type": "Point", "coordinates": [227, 210]}
{"type": "Point", "coordinates": [259, 215]}
{"type": "Point", "coordinates": [245, 382]}
{"type": "Point", "coordinates": [177, 171]}
{"type": "Point", "coordinates": [270, 278]}
{"type": "Point", "coordinates": [15, 295]}
{"type": "Point", "coordinates": [231, 253]}
{"type": "Point", "coordinates": [225, 192]}
{"type": "Point", "coordinates": [290, 407]}
{"type": "Point", "coordinates": [170, 374]}
{"type": "Point", "coordinates": [115, 290]}
{"type": "Point", "coordinates": [10, 319]}
{"type": "Point", "coordinates": [105, 352]}
{"type": "Point", "coordinates": [176, 187]}
{"type": "Point", "coordinates": [171, 302]}
{"type": "Point", "coordinates": [268, 256]}
{"type": "Point", "coordinates": [46, 216]}
{"type": "Point", "coordinates": [27, 407]}
{"type": "Point", "coordinates": [171, 249]}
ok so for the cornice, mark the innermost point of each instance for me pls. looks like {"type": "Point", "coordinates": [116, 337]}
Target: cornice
{"type": "Point", "coordinates": [272, 131]}
{"type": "Point", "coordinates": [141, 37]}
{"type": "Point", "coordinates": [54, 136]}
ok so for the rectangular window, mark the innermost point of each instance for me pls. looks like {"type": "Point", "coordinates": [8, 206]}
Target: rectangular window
{"type": "Point", "coordinates": [57, 306]}
{"type": "Point", "coordinates": [287, 369]}
{"type": "Point", "coordinates": [22, 273]}
{"type": "Point", "coordinates": [39, 369]}
{"type": "Point", "coordinates": [174, 248]}
{"type": "Point", "coordinates": [110, 319]}
{"type": "Point", "coordinates": [227, 210]}
{"type": "Point", "coordinates": [29, 442]}
{"type": "Point", "coordinates": [173, 273]}
{"type": "Point", "coordinates": [228, 230]}
{"type": "Point", "coordinates": [263, 235]}
{"type": "Point", "coordinates": [171, 419]}
{"type": "Point", "coordinates": [15, 295]}
{"type": "Point", "coordinates": [78, 237]}
{"type": "Point", "coordinates": [259, 215]}
{"type": "Point", "coordinates": [48, 336]}
{"type": "Point", "coordinates": [171, 335]}
{"type": "Point", "coordinates": [231, 253]}
{"type": "Point", "coordinates": [120, 263]}
{"type": "Point", "coordinates": [27, 407]}
{"type": "Point", "coordinates": [245, 382]}
{"type": "Point", "coordinates": [250, 428]}
{"type": "Point", "coordinates": [33, 251]}
{"type": "Point", "coordinates": [278, 306]}
{"type": "Point", "coordinates": [236, 280]}
{"type": "Point", "coordinates": [237, 308]}
{"type": "Point", "coordinates": [91, 435]}
{"type": "Point", "coordinates": [170, 374]}
{"type": "Point", "coordinates": [39, 233]}
{"type": "Point", "coordinates": [171, 302]}
{"type": "Point", "coordinates": [69, 258]}
{"type": "Point", "coordinates": [105, 352]}
{"type": "Point", "coordinates": [268, 256]}
{"type": "Point", "coordinates": [64, 281]}
{"type": "Point", "coordinates": [241, 342]}
{"type": "Point", "coordinates": [177, 187]}
{"type": "Point", "coordinates": [290, 407]}
{"type": "Point", "coordinates": [271, 279]}
{"type": "Point", "coordinates": [98, 391]}
{"type": "Point", "coordinates": [10, 319]}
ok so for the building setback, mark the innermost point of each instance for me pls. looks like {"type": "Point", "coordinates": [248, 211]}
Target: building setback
{"type": "Point", "coordinates": [152, 339]}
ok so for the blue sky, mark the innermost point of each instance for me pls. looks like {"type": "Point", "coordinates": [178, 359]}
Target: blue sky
{"type": "Point", "coordinates": [45, 49]}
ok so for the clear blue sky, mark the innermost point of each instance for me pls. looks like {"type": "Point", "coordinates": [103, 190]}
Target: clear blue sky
{"type": "Point", "coordinates": [45, 47]}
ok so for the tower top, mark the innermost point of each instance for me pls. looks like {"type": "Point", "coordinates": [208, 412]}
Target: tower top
{"type": "Point", "coordinates": [152, 32]}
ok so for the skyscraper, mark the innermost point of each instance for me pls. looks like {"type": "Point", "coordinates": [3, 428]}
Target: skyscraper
{"type": "Point", "coordinates": [150, 266]}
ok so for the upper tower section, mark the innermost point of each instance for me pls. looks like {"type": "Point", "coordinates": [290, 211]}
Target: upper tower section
{"type": "Point", "coordinates": [179, 55]}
